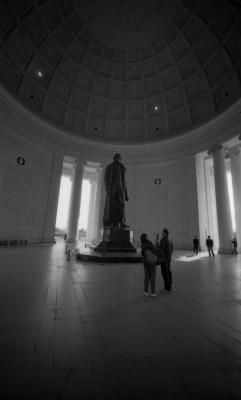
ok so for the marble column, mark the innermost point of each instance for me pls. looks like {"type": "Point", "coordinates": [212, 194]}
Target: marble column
{"type": "Point", "coordinates": [52, 200]}
{"type": "Point", "coordinates": [75, 197]}
{"type": "Point", "coordinates": [92, 211]}
{"type": "Point", "coordinates": [98, 212]}
{"type": "Point", "coordinates": [235, 164]}
{"type": "Point", "coordinates": [225, 230]}
{"type": "Point", "coordinates": [101, 201]}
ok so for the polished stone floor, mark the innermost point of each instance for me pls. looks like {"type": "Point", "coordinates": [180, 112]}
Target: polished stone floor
{"type": "Point", "coordinates": [77, 330]}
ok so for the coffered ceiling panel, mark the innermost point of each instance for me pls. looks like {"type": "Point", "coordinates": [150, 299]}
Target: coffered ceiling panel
{"type": "Point", "coordinates": [125, 71]}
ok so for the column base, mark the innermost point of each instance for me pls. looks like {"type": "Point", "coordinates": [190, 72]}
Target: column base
{"type": "Point", "coordinates": [47, 241]}
{"type": "Point", "coordinates": [71, 240]}
{"type": "Point", "coordinates": [224, 250]}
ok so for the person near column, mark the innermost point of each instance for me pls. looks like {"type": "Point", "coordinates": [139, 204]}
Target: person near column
{"type": "Point", "coordinates": [195, 245]}
{"type": "Point", "coordinates": [209, 244]}
{"type": "Point", "coordinates": [149, 258]}
{"type": "Point", "coordinates": [235, 245]}
{"type": "Point", "coordinates": [166, 246]}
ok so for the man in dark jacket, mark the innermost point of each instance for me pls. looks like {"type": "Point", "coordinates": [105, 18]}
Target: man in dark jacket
{"type": "Point", "coordinates": [209, 244]}
{"type": "Point", "coordinates": [167, 247]}
{"type": "Point", "coordinates": [195, 245]}
{"type": "Point", "coordinates": [235, 245]}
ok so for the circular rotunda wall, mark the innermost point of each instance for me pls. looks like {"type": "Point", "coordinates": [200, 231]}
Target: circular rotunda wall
{"type": "Point", "coordinates": [122, 72]}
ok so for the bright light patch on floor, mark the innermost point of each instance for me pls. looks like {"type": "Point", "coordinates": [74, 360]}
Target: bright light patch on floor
{"type": "Point", "coordinates": [63, 204]}
{"type": "Point", "coordinates": [191, 257]}
{"type": "Point", "coordinates": [85, 203]}
{"type": "Point", "coordinates": [231, 200]}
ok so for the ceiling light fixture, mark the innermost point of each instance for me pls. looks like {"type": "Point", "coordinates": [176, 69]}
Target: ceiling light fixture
{"type": "Point", "coordinates": [40, 74]}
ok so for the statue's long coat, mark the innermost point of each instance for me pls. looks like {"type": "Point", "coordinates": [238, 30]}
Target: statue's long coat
{"type": "Point", "coordinates": [116, 193]}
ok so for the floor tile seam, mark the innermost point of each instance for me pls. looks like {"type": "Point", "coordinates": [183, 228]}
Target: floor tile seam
{"type": "Point", "coordinates": [185, 386]}
{"type": "Point", "coordinates": [65, 384]}
{"type": "Point", "coordinates": [106, 347]}
{"type": "Point", "coordinates": [210, 337]}
{"type": "Point", "coordinates": [229, 354]}
{"type": "Point", "coordinates": [136, 370]}
{"type": "Point", "coordinates": [207, 336]}
{"type": "Point", "coordinates": [235, 333]}
{"type": "Point", "coordinates": [103, 315]}
{"type": "Point", "coordinates": [37, 344]}
{"type": "Point", "coordinates": [87, 344]}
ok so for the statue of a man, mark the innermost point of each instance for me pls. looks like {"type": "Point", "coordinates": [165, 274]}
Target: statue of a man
{"type": "Point", "coordinates": [116, 193]}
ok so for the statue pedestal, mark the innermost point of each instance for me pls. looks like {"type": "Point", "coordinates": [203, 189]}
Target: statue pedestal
{"type": "Point", "coordinates": [116, 239]}
{"type": "Point", "coordinates": [115, 247]}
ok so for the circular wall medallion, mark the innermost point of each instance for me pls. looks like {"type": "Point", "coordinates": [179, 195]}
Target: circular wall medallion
{"type": "Point", "coordinates": [21, 161]}
{"type": "Point", "coordinates": [158, 181]}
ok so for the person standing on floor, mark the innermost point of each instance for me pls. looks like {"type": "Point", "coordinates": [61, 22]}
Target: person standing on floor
{"type": "Point", "coordinates": [235, 245]}
{"type": "Point", "coordinates": [166, 247]}
{"type": "Point", "coordinates": [209, 244]}
{"type": "Point", "coordinates": [149, 257]}
{"type": "Point", "coordinates": [195, 245]}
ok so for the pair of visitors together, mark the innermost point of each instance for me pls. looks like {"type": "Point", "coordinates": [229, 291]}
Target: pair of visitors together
{"type": "Point", "coordinates": [152, 256]}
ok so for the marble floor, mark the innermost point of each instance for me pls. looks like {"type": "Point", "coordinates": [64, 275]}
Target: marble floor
{"type": "Point", "coordinates": [77, 330]}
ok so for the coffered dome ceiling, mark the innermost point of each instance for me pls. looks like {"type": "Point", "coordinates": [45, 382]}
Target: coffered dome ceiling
{"type": "Point", "coordinates": [122, 71]}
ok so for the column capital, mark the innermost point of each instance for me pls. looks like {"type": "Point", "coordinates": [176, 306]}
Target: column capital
{"type": "Point", "coordinates": [214, 148]}
{"type": "Point", "coordinates": [77, 163]}
{"type": "Point", "coordinates": [234, 151]}
{"type": "Point", "coordinates": [226, 153]}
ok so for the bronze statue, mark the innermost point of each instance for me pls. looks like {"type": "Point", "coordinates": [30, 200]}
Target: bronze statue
{"type": "Point", "coordinates": [116, 193]}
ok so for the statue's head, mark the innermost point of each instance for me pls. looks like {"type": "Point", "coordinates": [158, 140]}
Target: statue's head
{"type": "Point", "coordinates": [117, 157]}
